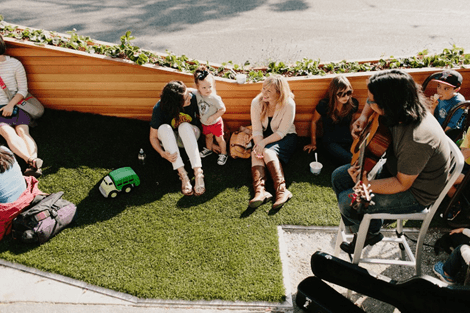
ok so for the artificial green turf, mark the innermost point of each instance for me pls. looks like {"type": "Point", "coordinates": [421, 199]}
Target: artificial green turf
{"type": "Point", "coordinates": [154, 242]}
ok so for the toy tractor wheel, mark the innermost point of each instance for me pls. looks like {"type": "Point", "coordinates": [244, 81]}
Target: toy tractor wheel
{"type": "Point", "coordinates": [113, 194]}
{"type": "Point", "coordinates": [127, 189]}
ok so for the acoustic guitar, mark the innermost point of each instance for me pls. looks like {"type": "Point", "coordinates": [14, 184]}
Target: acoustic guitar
{"type": "Point", "coordinates": [362, 195]}
{"type": "Point", "coordinates": [376, 138]}
{"type": "Point", "coordinates": [367, 149]}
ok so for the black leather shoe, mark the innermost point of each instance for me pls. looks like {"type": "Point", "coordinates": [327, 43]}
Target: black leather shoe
{"type": "Point", "coordinates": [371, 240]}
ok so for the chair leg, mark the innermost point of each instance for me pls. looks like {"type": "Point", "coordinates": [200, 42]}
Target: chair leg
{"type": "Point", "coordinates": [361, 238]}
{"type": "Point", "coordinates": [339, 237]}
{"type": "Point", "coordinates": [419, 245]}
{"type": "Point", "coordinates": [399, 235]}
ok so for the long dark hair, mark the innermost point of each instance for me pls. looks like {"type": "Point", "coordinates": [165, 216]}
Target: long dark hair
{"type": "Point", "coordinates": [172, 98]}
{"type": "Point", "coordinates": [338, 84]}
{"type": "Point", "coordinates": [399, 96]}
{"type": "Point", "coordinates": [7, 159]}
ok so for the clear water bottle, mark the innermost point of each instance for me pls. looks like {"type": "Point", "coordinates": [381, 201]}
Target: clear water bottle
{"type": "Point", "coordinates": [141, 157]}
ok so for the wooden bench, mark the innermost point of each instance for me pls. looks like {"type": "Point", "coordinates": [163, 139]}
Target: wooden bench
{"type": "Point", "coordinates": [66, 79]}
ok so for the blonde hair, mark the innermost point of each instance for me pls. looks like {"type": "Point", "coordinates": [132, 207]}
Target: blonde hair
{"type": "Point", "coordinates": [282, 89]}
{"type": "Point", "coordinates": [338, 84]}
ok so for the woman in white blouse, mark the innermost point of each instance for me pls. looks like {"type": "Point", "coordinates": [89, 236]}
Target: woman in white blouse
{"type": "Point", "coordinates": [275, 139]}
{"type": "Point", "coordinates": [14, 123]}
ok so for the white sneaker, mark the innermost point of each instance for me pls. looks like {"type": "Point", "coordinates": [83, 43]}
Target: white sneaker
{"type": "Point", "coordinates": [222, 159]}
{"type": "Point", "coordinates": [205, 152]}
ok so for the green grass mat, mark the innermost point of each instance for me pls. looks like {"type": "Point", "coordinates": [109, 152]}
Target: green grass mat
{"type": "Point", "coordinates": [154, 242]}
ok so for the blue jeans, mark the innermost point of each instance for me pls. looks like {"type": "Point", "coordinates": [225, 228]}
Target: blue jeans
{"type": "Point", "coordinates": [455, 265]}
{"type": "Point", "coordinates": [399, 203]}
{"type": "Point", "coordinates": [339, 152]}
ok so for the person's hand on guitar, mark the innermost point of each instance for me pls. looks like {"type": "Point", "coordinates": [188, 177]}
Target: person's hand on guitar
{"type": "Point", "coordinates": [362, 195]}
{"type": "Point", "coordinates": [358, 126]}
{"type": "Point", "coordinates": [361, 198]}
{"type": "Point", "coordinates": [354, 172]}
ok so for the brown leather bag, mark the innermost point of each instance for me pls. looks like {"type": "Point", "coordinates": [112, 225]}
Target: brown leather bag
{"type": "Point", "coordinates": [240, 143]}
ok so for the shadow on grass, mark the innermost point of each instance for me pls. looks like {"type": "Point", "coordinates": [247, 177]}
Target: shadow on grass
{"type": "Point", "coordinates": [154, 232]}
{"type": "Point", "coordinates": [88, 143]}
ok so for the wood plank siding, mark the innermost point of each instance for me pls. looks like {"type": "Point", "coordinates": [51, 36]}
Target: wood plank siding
{"type": "Point", "coordinates": [70, 80]}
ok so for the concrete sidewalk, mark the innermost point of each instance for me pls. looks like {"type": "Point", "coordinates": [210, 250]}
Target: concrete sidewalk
{"type": "Point", "coordinates": [25, 289]}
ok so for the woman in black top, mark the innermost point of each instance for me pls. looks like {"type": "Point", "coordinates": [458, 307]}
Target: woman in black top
{"type": "Point", "coordinates": [336, 114]}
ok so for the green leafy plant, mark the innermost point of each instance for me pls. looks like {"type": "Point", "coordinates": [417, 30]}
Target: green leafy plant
{"type": "Point", "coordinates": [449, 58]}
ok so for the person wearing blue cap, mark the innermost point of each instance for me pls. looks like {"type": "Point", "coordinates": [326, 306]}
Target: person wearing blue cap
{"type": "Point", "coordinates": [446, 98]}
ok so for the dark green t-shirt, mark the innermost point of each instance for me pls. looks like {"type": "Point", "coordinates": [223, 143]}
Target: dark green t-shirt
{"type": "Point", "coordinates": [421, 150]}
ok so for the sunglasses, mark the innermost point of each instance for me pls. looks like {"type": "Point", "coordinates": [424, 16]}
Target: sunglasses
{"type": "Point", "coordinates": [343, 94]}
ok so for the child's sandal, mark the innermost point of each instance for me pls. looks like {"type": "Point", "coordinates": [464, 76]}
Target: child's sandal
{"type": "Point", "coordinates": [199, 187]}
{"type": "Point", "coordinates": [186, 187]}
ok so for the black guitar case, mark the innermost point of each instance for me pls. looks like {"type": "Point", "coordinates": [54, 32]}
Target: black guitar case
{"type": "Point", "coordinates": [316, 296]}
{"type": "Point", "coordinates": [419, 294]}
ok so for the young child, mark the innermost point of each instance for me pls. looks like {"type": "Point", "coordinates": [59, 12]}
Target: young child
{"type": "Point", "coordinates": [455, 269]}
{"type": "Point", "coordinates": [211, 109]}
{"type": "Point", "coordinates": [446, 98]}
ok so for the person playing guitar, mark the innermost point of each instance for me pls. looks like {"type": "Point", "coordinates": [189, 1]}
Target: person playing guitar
{"type": "Point", "coordinates": [417, 158]}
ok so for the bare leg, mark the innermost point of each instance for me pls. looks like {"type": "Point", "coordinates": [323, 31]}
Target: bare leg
{"type": "Point", "coordinates": [209, 141]}
{"type": "Point", "coordinates": [268, 156]}
{"type": "Point", "coordinates": [222, 144]}
{"type": "Point", "coordinates": [16, 143]}
{"type": "Point", "coordinates": [23, 133]}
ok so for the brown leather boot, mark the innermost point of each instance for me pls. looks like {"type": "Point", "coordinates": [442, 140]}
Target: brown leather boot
{"type": "Point", "coordinates": [259, 178]}
{"type": "Point", "coordinates": [277, 174]}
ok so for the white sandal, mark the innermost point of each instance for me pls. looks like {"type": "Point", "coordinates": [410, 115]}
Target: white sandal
{"type": "Point", "coordinates": [186, 187]}
{"type": "Point", "coordinates": [199, 187]}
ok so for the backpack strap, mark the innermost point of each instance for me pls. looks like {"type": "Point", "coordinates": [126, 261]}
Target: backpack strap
{"type": "Point", "coordinates": [45, 205]}
{"type": "Point", "coordinates": [5, 89]}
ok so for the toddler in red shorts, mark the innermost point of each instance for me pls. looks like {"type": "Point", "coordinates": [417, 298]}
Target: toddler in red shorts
{"type": "Point", "coordinates": [211, 109]}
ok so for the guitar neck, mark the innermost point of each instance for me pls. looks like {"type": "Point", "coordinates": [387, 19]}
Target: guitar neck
{"type": "Point", "coordinates": [376, 138]}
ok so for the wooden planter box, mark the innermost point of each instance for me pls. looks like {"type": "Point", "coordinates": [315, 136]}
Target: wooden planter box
{"type": "Point", "coordinates": [65, 79]}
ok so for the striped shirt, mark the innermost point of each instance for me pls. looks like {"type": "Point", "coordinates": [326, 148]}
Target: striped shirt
{"type": "Point", "coordinates": [14, 76]}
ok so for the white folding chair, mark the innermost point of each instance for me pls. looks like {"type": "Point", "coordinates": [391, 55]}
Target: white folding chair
{"type": "Point", "coordinates": [426, 216]}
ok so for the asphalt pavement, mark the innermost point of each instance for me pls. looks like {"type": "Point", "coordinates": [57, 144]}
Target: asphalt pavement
{"type": "Point", "coordinates": [258, 31]}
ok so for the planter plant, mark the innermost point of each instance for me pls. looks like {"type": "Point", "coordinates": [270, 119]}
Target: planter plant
{"type": "Point", "coordinates": [453, 57]}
